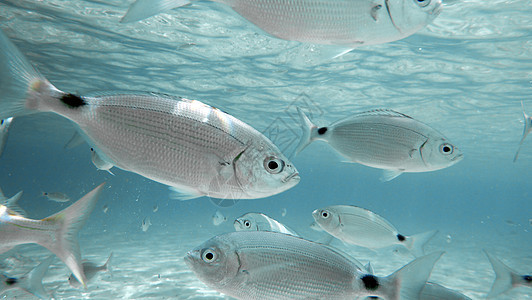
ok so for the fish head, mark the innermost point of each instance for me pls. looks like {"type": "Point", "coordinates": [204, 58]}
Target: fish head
{"type": "Point", "coordinates": [439, 153]}
{"type": "Point", "coordinates": [327, 218]}
{"type": "Point", "coordinates": [246, 223]}
{"type": "Point", "coordinates": [410, 16]}
{"type": "Point", "coordinates": [214, 262]}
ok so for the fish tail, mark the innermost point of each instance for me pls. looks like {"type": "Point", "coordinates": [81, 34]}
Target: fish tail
{"type": "Point", "coordinates": [70, 221]}
{"type": "Point", "coordinates": [504, 276]}
{"type": "Point", "coordinates": [309, 131]}
{"type": "Point", "coordinates": [11, 203]}
{"type": "Point", "coordinates": [23, 88]}
{"type": "Point", "coordinates": [143, 9]}
{"type": "Point", "coordinates": [526, 130]}
{"type": "Point", "coordinates": [417, 242]}
{"type": "Point", "coordinates": [32, 281]}
{"type": "Point", "coordinates": [106, 266]}
{"type": "Point", "coordinates": [407, 282]}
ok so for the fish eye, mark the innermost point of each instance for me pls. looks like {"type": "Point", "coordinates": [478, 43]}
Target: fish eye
{"type": "Point", "coordinates": [422, 3]}
{"type": "Point", "coordinates": [325, 214]}
{"type": "Point", "coordinates": [446, 149]}
{"type": "Point", "coordinates": [273, 165]}
{"type": "Point", "coordinates": [208, 255]}
{"type": "Point", "coordinates": [247, 224]}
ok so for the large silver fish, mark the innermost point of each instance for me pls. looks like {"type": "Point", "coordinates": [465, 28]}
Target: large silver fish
{"type": "Point", "coordinates": [30, 282]}
{"type": "Point", "coordinates": [347, 23]}
{"type": "Point", "coordinates": [4, 128]}
{"type": "Point", "coordinates": [505, 278]}
{"type": "Point", "coordinates": [57, 233]}
{"type": "Point", "coordinates": [193, 147]}
{"type": "Point", "coordinates": [384, 139]}
{"type": "Point", "coordinates": [359, 226]}
{"type": "Point", "coordinates": [91, 270]}
{"type": "Point", "coordinates": [526, 130]}
{"type": "Point", "coordinates": [270, 265]}
{"type": "Point", "coordinates": [258, 221]}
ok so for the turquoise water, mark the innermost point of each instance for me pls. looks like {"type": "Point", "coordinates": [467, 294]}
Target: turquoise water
{"type": "Point", "coordinates": [464, 75]}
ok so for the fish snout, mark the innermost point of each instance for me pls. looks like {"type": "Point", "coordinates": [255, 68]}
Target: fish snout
{"type": "Point", "coordinates": [292, 177]}
{"type": "Point", "coordinates": [190, 258]}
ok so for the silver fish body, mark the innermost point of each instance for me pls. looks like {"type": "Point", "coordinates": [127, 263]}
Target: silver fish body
{"type": "Point", "coordinates": [56, 196]}
{"type": "Point", "coordinates": [385, 139]}
{"type": "Point", "coordinates": [260, 222]}
{"type": "Point", "coordinates": [146, 223]}
{"type": "Point", "coordinates": [100, 163]}
{"type": "Point", "coordinates": [4, 128]}
{"type": "Point", "coordinates": [269, 265]}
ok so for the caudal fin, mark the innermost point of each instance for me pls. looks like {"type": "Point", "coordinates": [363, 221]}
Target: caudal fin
{"type": "Point", "coordinates": [309, 131]}
{"type": "Point", "coordinates": [32, 281]}
{"type": "Point", "coordinates": [504, 276]}
{"type": "Point", "coordinates": [11, 203]}
{"type": "Point", "coordinates": [71, 220]}
{"type": "Point", "coordinates": [526, 130]}
{"type": "Point", "coordinates": [143, 9]}
{"type": "Point", "coordinates": [417, 242]}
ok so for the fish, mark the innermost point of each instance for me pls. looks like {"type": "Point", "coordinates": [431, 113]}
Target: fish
{"type": "Point", "coordinates": [56, 196]}
{"type": "Point", "coordinates": [155, 208]}
{"type": "Point", "coordinates": [30, 282]}
{"type": "Point", "coordinates": [283, 212]}
{"type": "Point", "coordinates": [4, 128]}
{"type": "Point", "coordinates": [105, 208]}
{"type": "Point", "coordinates": [505, 278]}
{"type": "Point", "coordinates": [384, 139]}
{"type": "Point", "coordinates": [218, 218]}
{"type": "Point", "coordinates": [258, 221]}
{"type": "Point", "coordinates": [345, 23]}
{"type": "Point", "coordinates": [192, 147]}
{"type": "Point", "coordinates": [100, 163]}
{"type": "Point", "coordinates": [91, 270]}
{"type": "Point", "coordinates": [57, 233]}
{"type": "Point", "coordinates": [526, 130]}
{"type": "Point", "coordinates": [11, 203]}
{"type": "Point", "coordinates": [270, 265]}
{"type": "Point", "coordinates": [359, 226]}
{"type": "Point", "coordinates": [146, 223]}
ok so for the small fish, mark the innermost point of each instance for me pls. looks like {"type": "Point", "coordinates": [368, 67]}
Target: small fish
{"type": "Point", "coordinates": [526, 130]}
{"type": "Point", "coordinates": [218, 218]}
{"type": "Point", "coordinates": [359, 226]}
{"type": "Point", "coordinates": [505, 278]}
{"type": "Point", "coordinates": [30, 282]}
{"type": "Point", "coordinates": [105, 208]}
{"type": "Point", "coordinates": [57, 233]}
{"type": "Point", "coordinates": [4, 128]}
{"type": "Point", "coordinates": [334, 22]}
{"type": "Point", "coordinates": [384, 139]}
{"type": "Point", "coordinates": [100, 163]}
{"type": "Point", "coordinates": [270, 265]}
{"type": "Point", "coordinates": [90, 269]}
{"type": "Point", "coordinates": [195, 148]}
{"type": "Point", "coordinates": [11, 203]}
{"type": "Point", "coordinates": [283, 212]}
{"type": "Point", "coordinates": [146, 223]}
{"type": "Point", "coordinates": [260, 222]}
{"type": "Point", "coordinates": [57, 197]}
{"type": "Point", "coordinates": [155, 208]}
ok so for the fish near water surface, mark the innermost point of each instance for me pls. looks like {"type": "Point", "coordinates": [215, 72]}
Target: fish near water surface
{"type": "Point", "coordinates": [384, 139]}
{"type": "Point", "coordinates": [30, 282]}
{"type": "Point", "coordinates": [260, 222]}
{"type": "Point", "coordinates": [190, 146]}
{"type": "Point", "coordinates": [346, 23]}
{"type": "Point", "coordinates": [270, 265]}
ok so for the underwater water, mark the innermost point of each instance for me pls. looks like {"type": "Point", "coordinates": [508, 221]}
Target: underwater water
{"type": "Point", "coordinates": [465, 75]}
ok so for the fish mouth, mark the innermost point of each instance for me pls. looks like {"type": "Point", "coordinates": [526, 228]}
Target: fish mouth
{"type": "Point", "coordinates": [291, 176]}
{"type": "Point", "coordinates": [457, 158]}
{"type": "Point", "coordinates": [189, 259]}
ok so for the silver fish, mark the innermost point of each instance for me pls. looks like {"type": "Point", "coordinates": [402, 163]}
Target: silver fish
{"type": "Point", "coordinates": [359, 226]}
{"type": "Point", "coordinates": [57, 233]}
{"type": "Point", "coordinates": [270, 265]}
{"type": "Point", "coordinates": [260, 222]}
{"type": "Point", "coordinates": [526, 130]}
{"type": "Point", "coordinates": [384, 139]}
{"type": "Point", "coordinates": [146, 223]}
{"type": "Point", "coordinates": [218, 218]}
{"type": "Point", "coordinates": [505, 278]}
{"type": "Point", "coordinates": [56, 196]}
{"type": "Point", "coordinates": [4, 128]}
{"type": "Point", "coordinates": [348, 23]}
{"type": "Point", "coordinates": [100, 163]}
{"type": "Point", "coordinates": [90, 269]}
{"type": "Point", "coordinates": [30, 282]}
{"type": "Point", "coordinates": [188, 145]}
{"type": "Point", "coordinates": [11, 203]}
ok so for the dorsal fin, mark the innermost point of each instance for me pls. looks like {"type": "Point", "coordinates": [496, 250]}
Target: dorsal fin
{"type": "Point", "coordinates": [382, 112]}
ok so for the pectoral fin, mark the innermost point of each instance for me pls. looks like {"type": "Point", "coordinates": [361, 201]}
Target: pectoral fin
{"type": "Point", "coordinates": [388, 175]}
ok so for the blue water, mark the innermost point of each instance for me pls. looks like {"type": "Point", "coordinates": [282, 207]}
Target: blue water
{"type": "Point", "coordinates": [464, 75]}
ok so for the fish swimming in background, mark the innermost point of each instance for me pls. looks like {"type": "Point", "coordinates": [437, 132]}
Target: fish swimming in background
{"type": "Point", "coordinates": [526, 130]}
{"type": "Point", "coordinates": [105, 208]}
{"type": "Point", "coordinates": [505, 278]}
{"type": "Point", "coordinates": [11, 203]}
{"type": "Point", "coordinates": [155, 208]}
{"type": "Point", "coordinates": [266, 265]}
{"type": "Point", "coordinates": [218, 218]}
{"type": "Point", "coordinates": [146, 223]}
{"type": "Point", "coordinates": [384, 139]}
{"type": "Point", "coordinates": [56, 196]}
{"type": "Point", "coordinates": [4, 128]}
{"type": "Point", "coordinates": [57, 233]}
{"type": "Point", "coordinates": [91, 270]}
{"type": "Point", "coordinates": [30, 282]}
{"type": "Point", "coordinates": [260, 222]}
{"type": "Point", "coordinates": [188, 145]}
{"type": "Point", "coordinates": [359, 226]}
{"type": "Point", "coordinates": [345, 23]}
{"type": "Point", "coordinates": [100, 163]}
{"type": "Point", "coordinates": [283, 212]}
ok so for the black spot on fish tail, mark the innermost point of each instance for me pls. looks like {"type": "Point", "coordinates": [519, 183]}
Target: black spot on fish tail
{"type": "Point", "coordinates": [11, 281]}
{"type": "Point", "coordinates": [401, 237]}
{"type": "Point", "coordinates": [370, 282]}
{"type": "Point", "coordinates": [322, 130]}
{"type": "Point", "coordinates": [527, 278]}
{"type": "Point", "coordinates": [72, 101]}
